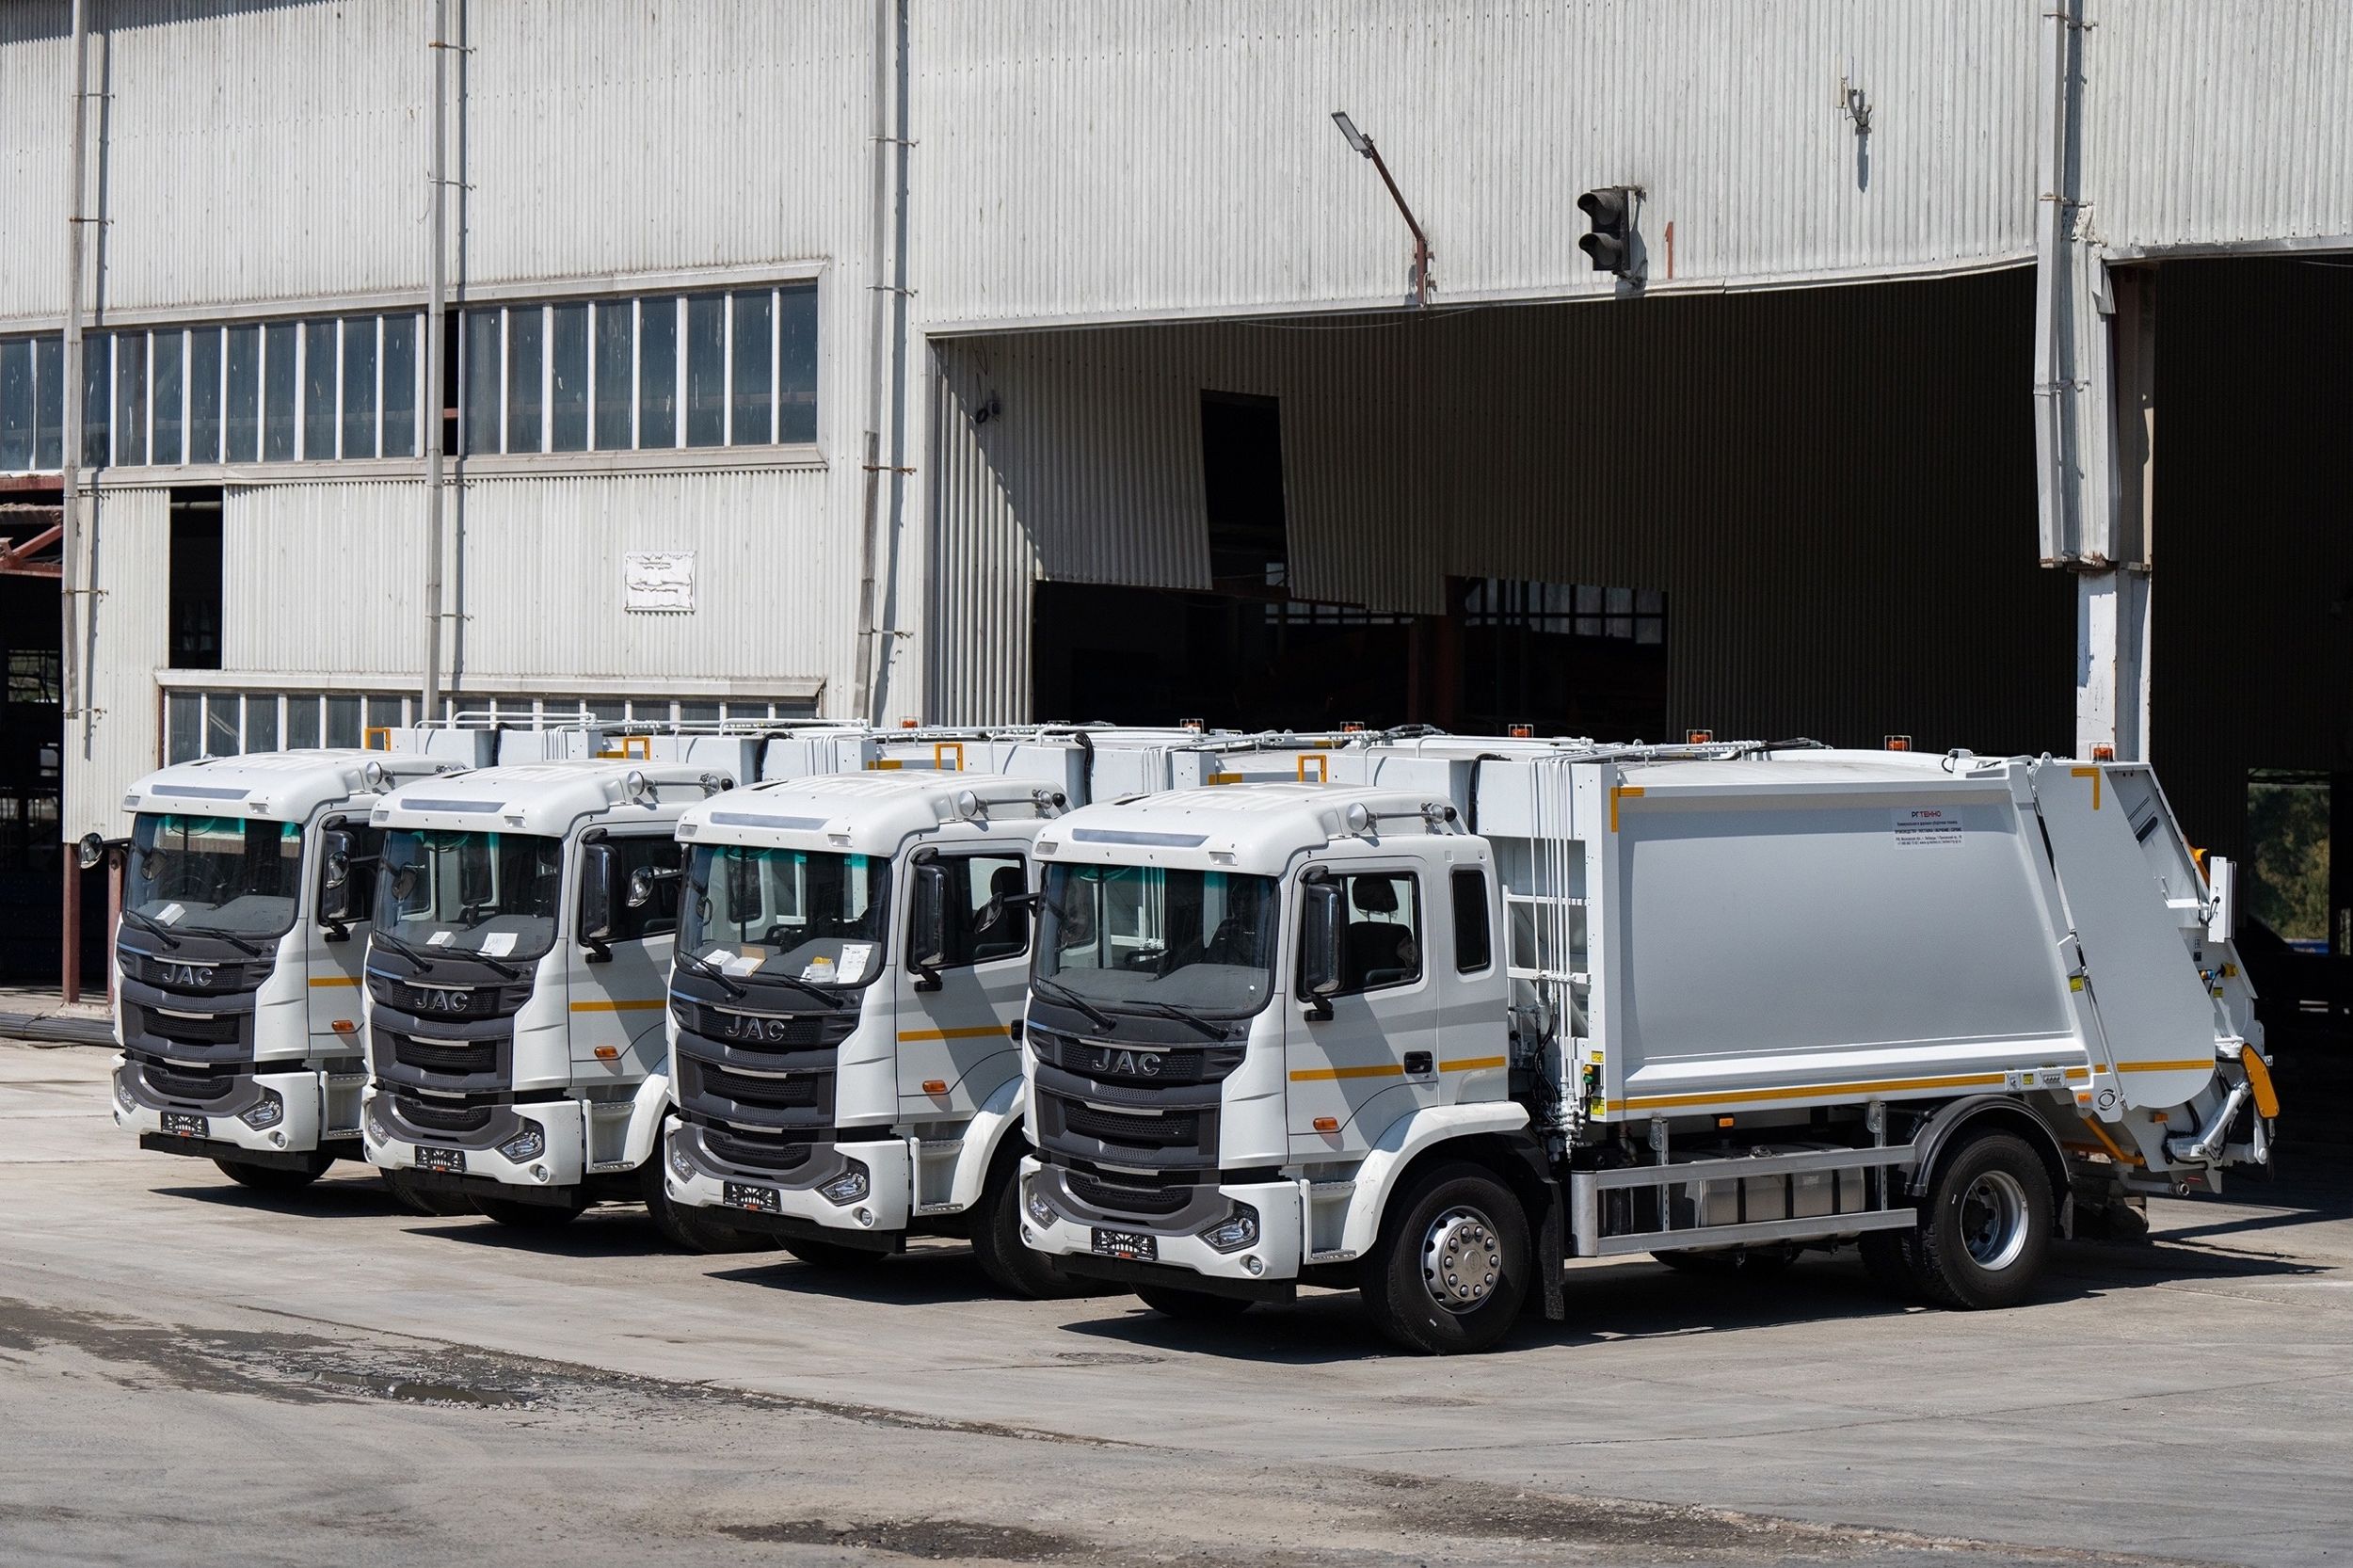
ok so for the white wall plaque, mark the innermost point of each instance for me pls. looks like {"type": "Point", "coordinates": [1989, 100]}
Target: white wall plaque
{"type": "Point", "coordinates": [658, 580]}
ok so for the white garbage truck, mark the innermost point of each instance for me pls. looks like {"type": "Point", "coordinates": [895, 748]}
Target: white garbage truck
{"type": "Point", "coordinates": [237, 964]}
{"type": "Point", "coordinates": [845, 1009]}
{"type": "Point", "coordinates": [1427, 1029]}
{"type": "Point", "coordinates": [515, 994]}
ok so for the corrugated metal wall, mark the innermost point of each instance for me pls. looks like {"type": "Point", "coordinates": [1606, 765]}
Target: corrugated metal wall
{"type": "Point", "coordinates": [261, 152]}
{"type": "Point", "coordinates": [1835, 487]}
{"type": "Point", "coordinates": [129, 627]}
{"type": "Point", "coordinates": [1080, 159]}
{"type": "Point", "coordinates": [326, 578]}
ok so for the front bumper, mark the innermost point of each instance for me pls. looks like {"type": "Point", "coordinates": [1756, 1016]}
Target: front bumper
{"type": "Point", "coordinates": [699, 1178]}
{"type": "Point", "coordinates": [561, 1161]}
{"type": "Point", "coordinates": [1070, 1233]}
{"type": "Point", "coordinates": [223, 1123]}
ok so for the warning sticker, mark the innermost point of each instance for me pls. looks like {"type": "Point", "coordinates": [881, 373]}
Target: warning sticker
{"type": "Point", "coordinates": [1928, 824]}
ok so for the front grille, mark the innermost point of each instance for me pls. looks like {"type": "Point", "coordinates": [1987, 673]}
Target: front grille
{"type": "Point", "coordinates": [446, 1056]}
{"type": "Point", "coordinates": [1108, 1062]}
{"type": "Point", "coordinates": [797, 1093]}
{"type": "Point", "coordinates": [1118, 1199]}
{"type": "Point", "coordinates": [441, 1118]}
{"type": "Point", "coordinates": [189, 1083]}
{"type": "Point", "coordinates": [218, 1028]}
{"type": "Point", "coordinates": [765, 1154]}
{"type": "Point", "coordinates": [1170, 1130]}
{"type": "Point", "coordinates": [193, 977]}
{"type": "Point", "coordinates": [750, 1031]}
{"type": "Point", "coordinates": [454, 1003]}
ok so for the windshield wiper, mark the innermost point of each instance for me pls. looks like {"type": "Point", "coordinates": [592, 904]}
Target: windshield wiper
{"type": "Point", "coordinates": [828, 997]}
{"type": "Point", "coordinates": [238, 943]}
{"type": "Point", "coordinates": [148, 924]}
{"type": "Point", "coordinates": [1170, 1010]}
{"type": "Point", "coordinates": [419, 959]}
{"type": "Point", "coordinates": [1069, 998]}
{"type": "Point", "coordinates": [705, 968]}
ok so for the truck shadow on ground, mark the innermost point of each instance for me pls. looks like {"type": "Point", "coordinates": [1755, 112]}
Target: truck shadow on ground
{"type": "Point", "coordinates": [355, 1196]}
{"type": "Point", "coordinates": [924, 1276]}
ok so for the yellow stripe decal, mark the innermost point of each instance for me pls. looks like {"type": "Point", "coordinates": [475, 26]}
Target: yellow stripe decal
{"type": "Point", "coordinates": [2092, 774]}
{"type": "Point", "coordinates": [630, 1006]}
{"type": "Point", "coordinates": [2078, 1075]}
{"type": "Point", "coordinates": [1616, 794]}
{"type": "Point", "coordinates": [1747, 1097]}
{"type": "Point", "coordinates": [1470, 1064]}
{"type": "Point", "coordinates": [2114, 1152]}
{"type": "Point", "coordinates": [2194, 1067]}
{"type": "Point", "coordinates": [1390, 1069]}
{"type": "Point", "coordinates": [980, 1032]}
{"type": "Point", "coordinates": [334, 980]}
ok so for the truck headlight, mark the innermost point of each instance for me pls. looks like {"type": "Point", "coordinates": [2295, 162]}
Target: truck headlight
{"type": "Point", "coordinates": [849, 1185]}
{"type": "Point", "coordinates": [530, 1143]}
{"type": "Point", "coordinates": [268, 1110]}
{"type": "Point", "coordinates": [1035, 1201]}
{"type": "Point", "coordinates": [122, 1094]}
{"type": "Point", "coordinates": [1236, 1231]}
{"type": "Point", "coordinates": [678, 1161]}
{"type": "Point", "coordinates": [377, 1129]}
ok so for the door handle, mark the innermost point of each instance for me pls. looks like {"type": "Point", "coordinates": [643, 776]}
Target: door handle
{"type": "Point", "coordinates": [1418, 1064]}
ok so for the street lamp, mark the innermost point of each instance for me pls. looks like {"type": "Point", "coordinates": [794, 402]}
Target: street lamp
{"type": "Point", "coordinates": [1362, 146]}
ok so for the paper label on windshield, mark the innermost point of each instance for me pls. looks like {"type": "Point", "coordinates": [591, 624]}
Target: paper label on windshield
{"type": "Point", "coordinates": [170, 914]}
{"type": "Point", "coordinates": [820, 971]}
{"type": "Point", "coordinates": [1928, 824]}
{"type": "Point", "coordinates": [498, 944]}
{"type": "Point", "coordinates": [439, 938]}
{"type": "Point", "coordinates": [740, 963]}
{"type": "Point", "coordinates": [854, 957]}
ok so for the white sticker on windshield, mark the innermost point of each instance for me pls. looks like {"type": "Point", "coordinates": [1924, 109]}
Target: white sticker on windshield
{"type": "Point", "coordinates": [170, 914]}
{"type": "Point", "coordinates": [854, 957]}
{"type": "Point", "coordinates": [740, 963]}
{"type": "Point", "coordinates": [439, 938]}
{"type": "Point", "coordinates": [820, 970]}
{"type": "Point", "coordinates": [498, 944]}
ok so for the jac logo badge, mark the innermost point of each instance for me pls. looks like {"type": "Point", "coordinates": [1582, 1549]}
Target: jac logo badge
{"type": "Point", "coordinates": [187, 974]}
{"type": "Point", "coordinates": [766, 1030]}
{"type": "Point", "coordinates": [1133, 1064]}
{"type": "Point", "coordinates": [444, 1001]}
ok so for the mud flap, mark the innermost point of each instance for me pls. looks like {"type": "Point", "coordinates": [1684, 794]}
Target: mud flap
{"type": "Point", "coordinates": [1551, 1252]}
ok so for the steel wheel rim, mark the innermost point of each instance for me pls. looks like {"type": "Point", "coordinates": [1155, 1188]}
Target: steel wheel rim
{"type": "Point", "coordinates": [1462, 1259]}
{"type": "Point", "coordinates": [1994, 1219]}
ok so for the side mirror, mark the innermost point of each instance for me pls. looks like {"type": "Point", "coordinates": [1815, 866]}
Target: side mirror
{"type": "Point", "coordinates": [645, 879]}
{"type": "Point", "coordinates": [1321, 924]}
{"type": "Point", "coordinates": [927, 925]}
{"type": "Point", "coordinates": [340, 901]}
{"type": "Point", "coordinates": [600, 869]}
{"type": "Point", "coordinates": [91, 850]}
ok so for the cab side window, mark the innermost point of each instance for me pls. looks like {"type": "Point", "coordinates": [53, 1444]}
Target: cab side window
{"type": "Point", "coordinates": [982, 926]}
{"type": "Point", "coordinates": [1474, 946]}
{"type": "Point", "coordinates": [658, 915]}
{"type": "Point", "coordinates": [1382, 944]}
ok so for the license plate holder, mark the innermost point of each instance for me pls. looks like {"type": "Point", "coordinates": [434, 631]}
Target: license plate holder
{"type": "Point", "coordinates": [186, 1124]}
{"type": "Point", "coordinates": [753, 1198]}
{"type": "Point", "coordinates": [447, 1161]}
{"type": "Point", "coordinates": [1132, 1246]}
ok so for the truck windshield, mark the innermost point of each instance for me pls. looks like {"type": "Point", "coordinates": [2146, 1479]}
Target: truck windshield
{"type": "Point", "coordinates": [807, 915]}
{"type": "Point", "coordinates": [490, 893]}
{"type": "Point", "coordinates": [216, 873]}
{"type": "Point", "coordinates": [1201, 940]}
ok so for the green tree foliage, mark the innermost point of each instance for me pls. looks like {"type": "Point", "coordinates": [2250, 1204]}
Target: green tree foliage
{"type": "Point", "coordinates": [2287, 830]}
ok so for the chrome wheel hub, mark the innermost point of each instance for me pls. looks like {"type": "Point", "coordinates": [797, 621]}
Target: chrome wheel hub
{"type": "Point", "coordinates": [1462, 1259]}
{"type": "Point", "coordinates": [1994, 1219]}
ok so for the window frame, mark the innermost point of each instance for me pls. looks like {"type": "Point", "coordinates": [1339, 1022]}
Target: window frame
{"type": "Point", "coordinates": [1475, 876]}
{"type": "Point", "coordinates": [1345, 875]}
{"type": "Point", "coordinates": [963, 914]}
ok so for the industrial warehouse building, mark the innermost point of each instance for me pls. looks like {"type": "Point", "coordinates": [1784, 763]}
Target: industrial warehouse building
{"type": "Point", "coordinates": [983, 362]}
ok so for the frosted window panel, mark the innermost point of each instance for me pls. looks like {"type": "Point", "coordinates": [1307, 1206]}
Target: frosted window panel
{"type": "Point", "coordinates": [400, 386]}
{"type": "Point", "coordinates": [706, 369]}
{"type": "Point", "coordinates": [130, 397]}
{"type": "Point", "coordinates": [657, 372]}
{"type": "Point", "coordinates": [277, 393]}
{"type": "Point", "coordinates": [482, 380]}
{"type": "Point", "coordinates": [755, 400]}
{"type": "Point", "coordinates": [261, 721]}
{"type": "Point", "coordinates": [359, 387]}
{"type": "Point", "coordinates": [16, 405]}
{"type": "Point", "coordinates": [204, 395]}
{"type": "Point", "coordinates": [243, 419]}
{"type": "Point", "coordinates": [165, 374]}
{"type": "Point", "coordinates": [615, 374]}
{"type": "Point", "coordinates": [319, 424]}
{"type": "Point", "coordinates": [526, 350]}
{"type": "Point", "coordinates": [568, 378]}
{"type": "Point", "coordinates": [97, 397]}
{"type": "Point", "coordinates": [797, 368]}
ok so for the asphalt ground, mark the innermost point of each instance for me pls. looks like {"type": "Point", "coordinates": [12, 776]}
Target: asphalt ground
{"type": "Point", "coordinates": [190, 1373]}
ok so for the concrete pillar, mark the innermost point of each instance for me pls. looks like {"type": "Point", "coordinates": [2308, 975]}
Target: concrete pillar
{"type": "Point", "coordinates": [2112, 586]}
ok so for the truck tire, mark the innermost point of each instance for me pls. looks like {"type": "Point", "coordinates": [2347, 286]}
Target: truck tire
{"type": "Point", "coordinates": [1986, 1228]}
{"type": "Point", "coordinates": [275, 1178]}
{"type": "Point", "coordinates": [531, 1216]}
{"type": "Point", "coordinates": [1191, 1306]}
{"type": "Point", "coordinates": [1451, 1267]}
{"type": "Point", "coordinates": [424, 1202]}
{"type": "Point", "coordinates": [1009, 1262]}
{"type": "Point", "coordinates": [692, 1229]}
{"type": "Point", "coordinates": [1730, 1262]}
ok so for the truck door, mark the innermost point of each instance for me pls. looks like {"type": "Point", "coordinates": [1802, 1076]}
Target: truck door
{"type": "Point", "coordinates": [1375, 1058]}
{"type": "Point", "coordinates": [333, 978]}
{"type": "Point", "coordinates": [959, 1036]}
{"type": "Point", "coordinates": [616, 1004]}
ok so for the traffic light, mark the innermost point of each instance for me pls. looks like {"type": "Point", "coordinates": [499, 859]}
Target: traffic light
{"type": "Point", "coordinates": [1611, 210]}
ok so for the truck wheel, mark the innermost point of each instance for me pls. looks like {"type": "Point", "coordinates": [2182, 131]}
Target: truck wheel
{"type": "Point", "coordinates": [424, 1202]}
{"type": "Point", "coordinates": [531, 1216]}
{"type": "Point", "coordinates": [694, 1230]}
{"type": "Point", "coordinates": [1730, 1262]}
{"type": "Point", "coordinates": [1009, 1262]}
{"type": "Point", "coordinates": [276, 1178]}
{"type": "Point", "coordinates": [1451, 1267]}
{"type": "Point", "coordinates": [1191, 1306]}
{"type": "Point", "coordinates": [831, 1255]}
{"type": "Point", "coordinates": [1985, 1228]}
